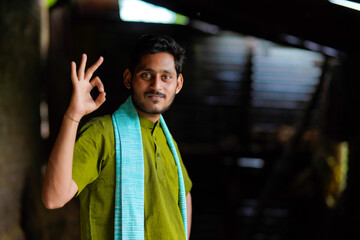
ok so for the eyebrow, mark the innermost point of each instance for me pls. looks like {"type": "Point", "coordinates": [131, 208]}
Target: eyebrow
{"type": "Point", "coordinates": [152, 70]}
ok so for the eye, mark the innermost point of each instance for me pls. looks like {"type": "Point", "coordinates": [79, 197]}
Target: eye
{"type": "Point", "coordinates": [166, 77]}
{"type": "Point", "coordinates": [146, 75]}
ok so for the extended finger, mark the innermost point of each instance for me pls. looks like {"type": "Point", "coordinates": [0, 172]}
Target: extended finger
{"type": "Point", "coordinates": [82, 67]}
{"type": "Point", "coordinates": [90, 71]}
{"type": "Point", "coordinates": [97, 82]}
{"type": "Point", "coordinates": [74, 78]}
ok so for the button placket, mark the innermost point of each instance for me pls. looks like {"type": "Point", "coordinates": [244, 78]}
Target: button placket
{"type": "Point", "coordinates": [158, 160]}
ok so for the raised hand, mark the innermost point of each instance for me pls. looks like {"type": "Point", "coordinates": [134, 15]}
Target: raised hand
{"type": "Point", "coordinates": [82, 102]}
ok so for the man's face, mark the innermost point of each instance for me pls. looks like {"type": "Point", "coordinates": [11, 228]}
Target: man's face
{"type": "Point", "coordinates": [154, 83]}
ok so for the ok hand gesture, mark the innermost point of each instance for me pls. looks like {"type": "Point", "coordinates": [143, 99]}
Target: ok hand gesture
{"type": "Point", "coordinates": [82, 102]}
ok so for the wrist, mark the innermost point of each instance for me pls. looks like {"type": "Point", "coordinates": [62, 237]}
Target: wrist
{"type": "Point", "coordinates": [71, 118]}
{"type": "Point", "coordinates": [74, 114]}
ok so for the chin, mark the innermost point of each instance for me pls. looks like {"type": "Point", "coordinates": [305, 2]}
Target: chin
{"type": "Point", "coordinates": [151, 107]}
{"type": "Point", "coordinates": [155, 110]}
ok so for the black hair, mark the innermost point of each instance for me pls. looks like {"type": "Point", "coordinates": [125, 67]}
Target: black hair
{"type": "Point", "coordinates": [156, 43]}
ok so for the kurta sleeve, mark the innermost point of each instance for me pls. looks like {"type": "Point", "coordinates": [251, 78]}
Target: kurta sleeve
{"type": "Point", "coordinates": [187, 180]}
{"type": "Point", "coordinates": [89, 153]}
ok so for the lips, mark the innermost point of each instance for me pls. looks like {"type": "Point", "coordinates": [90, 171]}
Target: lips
{"type": "Point", "coordinates": [155, 94]}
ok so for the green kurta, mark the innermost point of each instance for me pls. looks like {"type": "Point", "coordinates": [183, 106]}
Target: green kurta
{"type": "Point", "coordinates": [94, 173]}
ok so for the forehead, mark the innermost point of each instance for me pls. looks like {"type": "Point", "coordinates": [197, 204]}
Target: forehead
{"type": "Point", "coordinates": [157, 62]}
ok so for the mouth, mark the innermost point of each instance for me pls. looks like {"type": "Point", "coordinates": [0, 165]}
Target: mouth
{"type": "Point", "coordinates": [155, 95]}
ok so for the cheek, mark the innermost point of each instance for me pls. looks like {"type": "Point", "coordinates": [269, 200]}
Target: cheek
{"type": "Point", "coordinates": [137, 85]}
{"type": "Point", "coordinates": [171, 87]}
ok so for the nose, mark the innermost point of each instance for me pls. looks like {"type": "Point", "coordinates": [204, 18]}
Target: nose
{"type": "Point", "coordinates": [156, 83]}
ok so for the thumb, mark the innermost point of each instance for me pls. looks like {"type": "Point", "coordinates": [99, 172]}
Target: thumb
{"type": "Point", "coordinates": [100, 99]}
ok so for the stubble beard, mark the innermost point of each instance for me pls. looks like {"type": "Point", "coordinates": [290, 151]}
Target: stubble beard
{"type": "Point", "coordinates": [141, 107]}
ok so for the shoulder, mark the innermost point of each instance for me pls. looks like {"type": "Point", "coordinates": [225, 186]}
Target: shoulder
{"type": "Point", "coordinates": [98, 125]}
{"type": "Point", "coordinates": [96, 137]}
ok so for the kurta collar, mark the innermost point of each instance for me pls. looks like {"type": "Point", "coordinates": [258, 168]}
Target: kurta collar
{"type": "Point", "coordinates": [148, 124]}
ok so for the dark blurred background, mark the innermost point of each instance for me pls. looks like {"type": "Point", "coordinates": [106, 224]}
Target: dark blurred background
{"type": "Point", "coordinates": [267, 120]}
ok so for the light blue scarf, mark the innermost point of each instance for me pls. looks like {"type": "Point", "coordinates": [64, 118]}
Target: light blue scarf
{"type": "Point", "coordinates": [129, 190]}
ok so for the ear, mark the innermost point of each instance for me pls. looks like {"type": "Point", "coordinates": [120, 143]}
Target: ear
{"type": "Point", "coordinates": [180, 82]}
{"type": "Point", "coordinates": [127, 78]}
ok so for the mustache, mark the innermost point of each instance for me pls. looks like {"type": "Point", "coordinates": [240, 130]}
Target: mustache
{"type": "Point", "coordinates": [156, 93]}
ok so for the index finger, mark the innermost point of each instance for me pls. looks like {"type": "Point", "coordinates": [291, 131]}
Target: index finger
{"type": "Point", "coordinates": [90, 71]}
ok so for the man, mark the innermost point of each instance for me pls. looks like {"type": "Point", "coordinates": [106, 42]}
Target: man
{"type": "Point", "coordinates": [134, 176]}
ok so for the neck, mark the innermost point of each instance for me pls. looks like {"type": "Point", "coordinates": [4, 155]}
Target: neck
{"type": "Point", "coordinates": [152, 117]}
